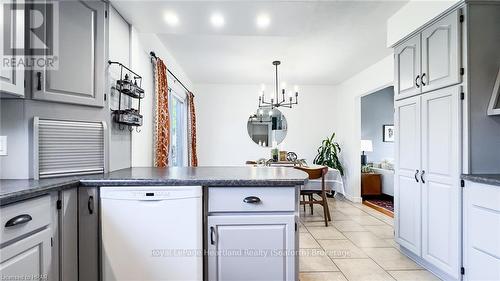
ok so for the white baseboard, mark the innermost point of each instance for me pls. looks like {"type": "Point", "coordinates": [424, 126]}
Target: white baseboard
{"type": "Point", "coordinates": [436, 271]}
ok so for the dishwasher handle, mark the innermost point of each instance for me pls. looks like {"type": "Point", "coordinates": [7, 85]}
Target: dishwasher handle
{"type": "Point", "coordinates": [212, 234]}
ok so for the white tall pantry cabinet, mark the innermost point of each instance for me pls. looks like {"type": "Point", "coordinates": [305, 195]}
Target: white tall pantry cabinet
{"type": "Point", "coordinates": [428, 177]}
{"type": "Point", "coordinates": [428, 120]}
{"type": "Point", "coordinates": [435, 107]}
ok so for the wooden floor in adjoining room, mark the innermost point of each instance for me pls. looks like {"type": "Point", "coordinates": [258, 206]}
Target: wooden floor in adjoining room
{"type": "Point", "coordinates": [357, 245]}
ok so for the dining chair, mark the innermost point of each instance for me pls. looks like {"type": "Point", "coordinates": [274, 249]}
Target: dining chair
{"type": "Point", "coordinates": [315, 173]}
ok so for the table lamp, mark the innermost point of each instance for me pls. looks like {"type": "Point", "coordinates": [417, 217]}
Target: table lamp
{"type": "Point", "coordinates": [366, 146]}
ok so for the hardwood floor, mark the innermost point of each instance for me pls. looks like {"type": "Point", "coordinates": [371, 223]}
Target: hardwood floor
{"type": "Point", "coordinates": [358, 245]}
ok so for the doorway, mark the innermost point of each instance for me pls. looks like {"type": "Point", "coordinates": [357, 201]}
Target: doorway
{"type": "Point", "coordinates": [377, 135]}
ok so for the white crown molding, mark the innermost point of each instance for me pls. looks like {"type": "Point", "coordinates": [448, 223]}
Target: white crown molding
{"type": "Point", "coordinates": [494, 106]}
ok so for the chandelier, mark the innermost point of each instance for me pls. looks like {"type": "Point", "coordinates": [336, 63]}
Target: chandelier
{"type": "Point", "coordinates": [286, 97]}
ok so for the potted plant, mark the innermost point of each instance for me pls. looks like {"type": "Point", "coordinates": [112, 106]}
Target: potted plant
{"type": "Point", "coordinates": [328, 154]}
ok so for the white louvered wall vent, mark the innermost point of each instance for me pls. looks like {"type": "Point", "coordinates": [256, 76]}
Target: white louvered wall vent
{"type": "Point", "coordinates": [66, 148]}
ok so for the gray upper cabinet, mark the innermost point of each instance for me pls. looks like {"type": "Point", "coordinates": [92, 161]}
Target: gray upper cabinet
{"type": "Point", "coordinates": [441, 53]}
{"type": "Point", "coordinates": [430, 59]}
{"type": "Point", "coordinates": [12, 79]}
{"type": "Point", "coordinates": [79, 77]}
{"type": "Point", "coordinates": [407, 68]}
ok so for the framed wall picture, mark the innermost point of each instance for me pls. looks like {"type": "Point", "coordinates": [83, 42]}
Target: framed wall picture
{"type": "Point", "coordinates": [388, 135]}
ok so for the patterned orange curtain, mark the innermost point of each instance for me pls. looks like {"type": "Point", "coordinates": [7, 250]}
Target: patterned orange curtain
{"type": "Point", "coordinates": [193, 157]}
{"type": "Point", "coordinates": [162, 117]}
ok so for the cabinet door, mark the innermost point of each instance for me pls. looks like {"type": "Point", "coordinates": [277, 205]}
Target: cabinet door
{"type": "Point", "coordinates": [441, 53]}
{"type": "Point", "coordinates": [12, 78]}
{"type": "Point", "coordinates": [481, 247]}
{"type": "Point", "coordinates": [88, 231]}
{"type": "Point", "coordinates": [407, 68]}
{"type": "Point", "coordinates": [68, 234]}
{"type": "Point", "coordinates": [79, 77]}
{"type": "Point", "coordinates": [28, 257]}
{"type": "Point", "coordinates": [407, 188]}
{"type": "Point", "coordinates": [251, 247]}
{"type": "Point", "coordinates": [441, 193]}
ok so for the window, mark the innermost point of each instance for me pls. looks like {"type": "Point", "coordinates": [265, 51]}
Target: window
{"type": "Point", "coordinates": [178, 130]}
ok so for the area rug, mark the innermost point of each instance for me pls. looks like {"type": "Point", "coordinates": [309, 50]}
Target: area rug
{"type": "Point", "coordinates": [384, 205]}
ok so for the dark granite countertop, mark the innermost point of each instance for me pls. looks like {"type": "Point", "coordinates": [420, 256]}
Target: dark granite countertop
{"type": "Point", "coordinates": [491, 179]}
{"type": "Point", "coordinates": [17, 190]}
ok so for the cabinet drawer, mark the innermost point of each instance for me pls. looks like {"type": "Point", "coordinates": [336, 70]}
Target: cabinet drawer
{"type": "Point", "coordinates": [258, 199]}
{"type": "Point", "coordinates": [35, 213]}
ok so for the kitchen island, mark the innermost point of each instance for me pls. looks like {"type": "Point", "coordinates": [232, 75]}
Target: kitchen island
{"type": "Point", "coordinates": [250, 210]}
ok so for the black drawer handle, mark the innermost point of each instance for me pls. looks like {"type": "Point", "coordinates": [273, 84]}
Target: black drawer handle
{"type": "Point", "coordinates": [21, 219]}
{"type": "Point", "coordinates": [422, 176]}
{"type": "Point", "coordinates": [416, 174]}
{"type": "Point", "coordinates": [422, 79]}
{"type": "Point", "coordinates": [416, 81]}
{"type": "Point", "coordinates": [212, 231]}
{"type": "Point", "coordinates": [90, 205]}
{"type": "Point", "coordinates": [252, 199]}
{"type": "Point", "coordinates": [39, 79]}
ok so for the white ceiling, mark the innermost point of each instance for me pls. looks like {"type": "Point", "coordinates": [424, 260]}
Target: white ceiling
{"type": "Point", "coordinates": [318, 42]}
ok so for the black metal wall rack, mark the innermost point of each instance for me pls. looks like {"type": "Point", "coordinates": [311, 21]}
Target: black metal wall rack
{"type": "Point", "coordinates": [129, 84]}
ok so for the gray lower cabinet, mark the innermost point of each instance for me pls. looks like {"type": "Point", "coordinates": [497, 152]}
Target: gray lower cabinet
{"type": "Point", "coordinates": [68, 234]}
{"type": "Point", "coordinates": [251, 247]}
{"type": "Point", "coordinates": [88, 234]}
{"type": "Point", "coordinates": [481, 249]}
{"type": "Point", "coordinates": [26, 240]}
{"type": "Point", "coordinates": [27, 258]}
{"type": "Point", "coordinates": [78, 74]}
{"type": "Point", "coordinates": [252, 233]}
{"type": "Point", "coordinates": [44, 240]}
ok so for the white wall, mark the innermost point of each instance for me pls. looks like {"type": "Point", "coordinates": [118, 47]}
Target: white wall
{"type": "Point", "coordinates": [119, 50]}
{"type": "Point", "coordinates": [347, 117]}
{"type": "Point", "coordinates": [142, 44]}
{"type": "Point", "coordinates": [414, 15]}
{"type": "Point", "coordinates": [223, 111]}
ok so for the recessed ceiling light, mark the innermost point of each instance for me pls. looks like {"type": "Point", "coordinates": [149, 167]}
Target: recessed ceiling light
{"type": "Point", "coordinates": [171, 18]}
{"type": "Point", "coordinates": [263, 21]}
{"type": "Point", "coordinates": [217, 20]}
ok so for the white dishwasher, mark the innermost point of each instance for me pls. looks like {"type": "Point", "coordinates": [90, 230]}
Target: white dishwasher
{"type": "Point", "coordinates": [152, 233]}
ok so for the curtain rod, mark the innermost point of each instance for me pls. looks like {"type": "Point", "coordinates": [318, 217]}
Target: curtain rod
{"type": "Point", "coordinates": [153, 55]}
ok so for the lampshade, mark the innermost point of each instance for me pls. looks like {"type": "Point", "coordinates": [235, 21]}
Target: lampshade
{"type": "Point", "coordinates": [366, 145]}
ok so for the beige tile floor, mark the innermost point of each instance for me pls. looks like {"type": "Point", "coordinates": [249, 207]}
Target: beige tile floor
{"type": "Point", "coordinates": [357, 245]}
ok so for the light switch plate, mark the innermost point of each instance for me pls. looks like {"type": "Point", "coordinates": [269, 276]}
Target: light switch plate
{"type": "Point", "coordinates": [3, 145]}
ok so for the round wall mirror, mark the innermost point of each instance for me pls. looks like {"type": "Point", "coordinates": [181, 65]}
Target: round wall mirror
{"type": "Point", "coordinates": [267, 127]}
